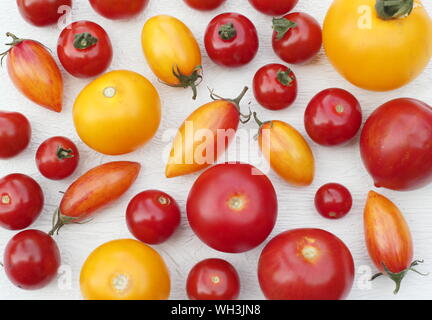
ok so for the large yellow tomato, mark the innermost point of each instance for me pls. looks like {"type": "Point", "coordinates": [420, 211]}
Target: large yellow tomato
{"type": "Point", "coordinates": [125, 270]}
{"type": "Point", "coordinates": [117, 113]}
{"type": "Point", "coordinates": [378, 45]}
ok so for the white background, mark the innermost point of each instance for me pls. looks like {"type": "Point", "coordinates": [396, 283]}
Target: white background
{"type": "Point", "coordinates": [341, 164]}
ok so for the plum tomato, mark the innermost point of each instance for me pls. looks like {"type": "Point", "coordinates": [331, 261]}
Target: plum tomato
{"type": "Point", "coordinates": [274, 7]}
{"type": "Point", "coordinates": [43, 12]}
{"type": "Point", "coordinates": [15, 134]}
{"type": "Point", "coordinates": [333, 201]}
{"type": "Point", "coordinates": [118, 9]}
{"type": "Point", "coordinates": [204, 5]}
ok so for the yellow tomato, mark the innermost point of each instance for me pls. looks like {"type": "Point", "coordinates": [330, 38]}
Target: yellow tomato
{"type": "Point", "coordinates": [172, 51]}
{"type": "Point", "coordinates": [124, 270]}
{"type": "Point", "coordinates": [117, 113]}
{"type": "Point", "coordinates": [378, 51]}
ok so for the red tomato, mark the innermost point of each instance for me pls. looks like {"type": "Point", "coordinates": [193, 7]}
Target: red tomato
{"type": "Point", "coordinates": [396, 146]}
{"type": "Point", "coordinates": [15, 134]}
{"type": "Point", "coordinates": [31, 259]}
{"type": "Point", "coordinates": [297, 37]}
{"type": "Point", "coordinates": [232, 207]}
{"type": "Point", "coordinates": [275, 86]}
{"type": "Point", "coordinates": [231, 40]}
{"type": "Point", "coordinates": [213, 279]}
{"type": "Point", "coordinates": [43, 12]}
{"type": "Point", "coordinates": [153, 216]}
{"type": "Point", "coordinates": [306, 264]}
{"type": "Point", "coordinates": [118, 9]}
{"type": "Point", "coordinates": [84, 49]}
{"type": "Point", "coordinates": [333, 201]}
{"type": "Point", "coordinates": [204, 5]}
{"type": "Point", "coordinates": [21, 201]}
{"type": "Point", "coordinates": [57, 158]}
{"type": "Point", "coordinates": [274, 7]}
{"type": "Point", "coordinates": [333, 117]}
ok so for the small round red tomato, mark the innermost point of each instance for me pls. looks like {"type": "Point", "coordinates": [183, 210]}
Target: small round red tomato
{"type": "Point", "coordinates": [118, 9]}
{"type": "Point", "coordinates": [204, 5]}
{"type": "Point", "coordinates": [333, 201]}
{"type": "Point", "coordinates": [57, 158]}
{"type": "Point", "coordinates": [21, 201]}
{"type": "Point", "coordinates": [153, 216]}
{"type": "Point", "coordinates": [275, 86]}
{"type": "Point", "coordinates": [15, 134]}
{"type": "Point", "coordinates": [31, 259]}
{"type": "Point", "coordinates": [297, 37]}
{"type": "Point", "coordinates": [231, 40]}
{"type": "Point", "coordinates": [84, 49]}
{"type": "Point", "coordinates": [232, 207]}
{"type": "Point", "coordinates": [213, 279]}
{"type": "Point", "coordinates": [43, 12]}
{"type": "Point", "coordinates": [274, 7]}
{"type": "Point", "coordinates": [333, 117]}
{"type": "Point", "coordinates": [306, 264]}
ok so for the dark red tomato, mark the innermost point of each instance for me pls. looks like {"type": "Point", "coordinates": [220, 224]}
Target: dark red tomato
{"type": "Point", "coordinates": [306, 264]}
{"type": "Point", "coordinates": [204, 5]}
{"type": "Point", "coordinates": [333, 201]}
{"type": "Point", "coordinates": [153, 216]}
{"type": "Point", "coordinates": [43, 12]}
{"type": "Point", "coordinates": [118, 9]}
{"type": "Point", "coordinates": [57, 158]}
{"type": "Point", "coordinates": [213, 279]}
{"type": "Point", "coordinates": [231, 40]}
{"type": "Point", "coordinates": [232, 207]}
{"type": "Point", "coordinates": [396, 144]}
{"type": "Point", "coordinates": [15, 134]}
{"type": "Point", "coordinates": [275, 86]}
{"type": "Point", "coordinates": [31, 259]}
{"type": "Point", "coordinates": [274, 7]}
{"type": "Point", "coordinates": [297, 37]}
{"type": "Point", "coordinates": [84, 49]}
{"type": "Point", "coordinates": [21, 201]}
{"type": "Point", "coordinates": [333, 117]}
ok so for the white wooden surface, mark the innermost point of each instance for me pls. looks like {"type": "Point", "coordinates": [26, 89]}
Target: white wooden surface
{"type": "Point", "coordinates": [340, 164]}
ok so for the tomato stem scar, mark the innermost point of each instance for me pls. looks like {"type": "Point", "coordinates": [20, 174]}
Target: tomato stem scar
{"type": "Point", "coordinates": [5, 199]}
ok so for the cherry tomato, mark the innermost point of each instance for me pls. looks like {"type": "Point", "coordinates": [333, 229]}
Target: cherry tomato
{"type": "Point", "coordinates": [333, 117]}
{"type": "Point", "coordinates": [15, 134]}
{"type": "Point", "coordinates": [21, 201]}
{"type": "Point", "coordinates": [275, 86]}
{"type": "Point", "coordinates": [43, 12]}
{"type": "Point", "coordinates": [213, 279]}
{"type": "Point", "coordinates": [153, 216]}
{"type": "Point", "coordinates": [297, 37]}
{"type": "Point", "coordinates": [231, 40]}
{"type": "Point", "coordinates": [306, 264]}
{"type": "Point", "coordinates": [274, 7]}
{"type": "Point", "coordinates": [333, 201]}
{"type": "Point", "coordinates": [118, 9]}
{"type": "Point", "coordinates": [31, 259]}
{"type": "Point", "coordinates": [232, 207]}
{"type": "Point", "coordinates": [204, 5]}
{"type": "Point", "coordinates": [57, 158]}
{"type": "Point", "coordinates": [84, 49]}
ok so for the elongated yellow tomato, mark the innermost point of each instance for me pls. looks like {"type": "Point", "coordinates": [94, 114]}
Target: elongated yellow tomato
{"type": "Point", "coordinates": [117, 113]}
{"type": "Point", "coordinates": [288, 153]}
{"type": "Point", "coordinates": [125, 270]}
{"type": "Point", "coordinates": [378, 45]}
{"type": "Point", "coordinates": [172, 52]}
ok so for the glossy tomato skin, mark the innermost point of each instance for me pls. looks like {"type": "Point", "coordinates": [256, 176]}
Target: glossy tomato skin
{"type": "Point", "coordinates": [90, 56]}
{"type": "Point", "coordinates": [153, 216]}
{"type": "Point", "coordinates": [57, 158]}
{"type": "Point", "coordinates": [15, 134]}
{"type": "Point", "coordinates": [31, 259]}
{"type": "Point", "coordinates": [43, 12]}
{"type": "Point", "coordinates": [232, 207]}
{"type": "Point", "coordinates": [333, 201]}
{"type": "Point", "coordinates": [396, 146]}
{"type": "Point", "coordinates": [275, 86]}
{"type": "Point", "coordinates": [213, 279]}
{"type": "Point", "coordinates": [319, 265]}
{"type": "Point", "coordinates": [204, 5]}
{"type": "Point", "coordinates": [274, 7]}
{"type": "Point", "coordinates": [118, 9]}
{"type": "Point", "coordinates": [21, 201]}
{"type": "Point", "coordinates": [333, 117]}
{"type": "Point", "coordinates": [231, 40]}
{"type": "Point", "coordinates": [301, 42]}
